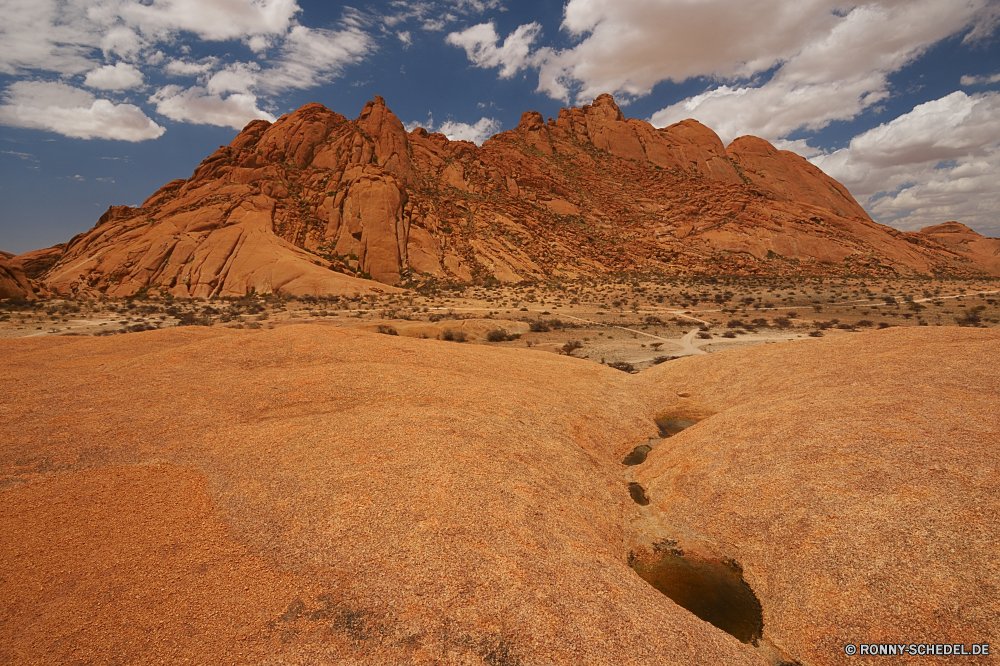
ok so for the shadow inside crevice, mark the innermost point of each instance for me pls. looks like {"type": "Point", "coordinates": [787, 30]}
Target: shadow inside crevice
{"type": "Point", "coordinates": [710, 589]}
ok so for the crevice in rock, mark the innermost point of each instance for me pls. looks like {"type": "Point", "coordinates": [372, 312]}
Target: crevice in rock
{"type": "Point", "coordinates": [673, 425]}
{"type": "Point", "coordinates": [638, 455]}
{"type": "Point", "coordinates": [638, 494]}
{"type": "Point", "coordinates": [713, 590]}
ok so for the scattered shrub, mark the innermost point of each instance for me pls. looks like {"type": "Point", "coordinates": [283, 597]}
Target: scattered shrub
{"type": "Point", "coordinates": [571, 346]}
{"type": "Point", "coordinates": [387, 330]}
{"type": "Point", "coordinates": [623, 366]}
{"type": "Point", "coordinates": [191, 319]}
{"type": "Point", "coordinates": [453, 336]}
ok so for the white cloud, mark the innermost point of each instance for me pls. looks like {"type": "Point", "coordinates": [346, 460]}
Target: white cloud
{"type": "Point", "coordinates": [480, 44]}
{"type": "Point", "coordinates": [72, 112]}
{"type": "Point", "coordinates": [939, 162]}
{"type": "Point", "coordinates": [215, 20]}
{"type": "Point", "coordinates": [239, 77]}
{"type": "Point", "coordinates": [483, 129]}
{"type": "Point", "coordinates": [839, 72]}
{"type": "Point", "coordinates": [404, 36]}
{"type": "Point", "coordinates": [44, 35]}
{"type": "Point", "coordinates": [310, 57]}
{"type": "Point", "coordinates": [120, 76]}
{"type": "Point", "coordinates": [478, 132]}
{"type": "Point", "coordinates": [979, 80]}
{"type": "Point", "coordinates": [123, 42]}
{"type": "Point", "coordinates": [258, 43]}
{"type": "Point", "coordinates": [199, 106]}
{"type": "Point", "coordinates": [188, 68]}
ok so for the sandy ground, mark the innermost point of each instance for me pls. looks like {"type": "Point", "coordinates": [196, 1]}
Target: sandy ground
{"type": "Point", "coordinates": [635, 324]}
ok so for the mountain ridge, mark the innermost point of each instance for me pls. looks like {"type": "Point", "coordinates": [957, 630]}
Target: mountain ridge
{"type": "Point", "coordinates": [318, 204]}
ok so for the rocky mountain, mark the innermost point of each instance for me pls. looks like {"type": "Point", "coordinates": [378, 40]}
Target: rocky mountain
{"type": "Point", "coordinates": [318, 204]}
{"type": "Point", "coordinates": [13, 282]}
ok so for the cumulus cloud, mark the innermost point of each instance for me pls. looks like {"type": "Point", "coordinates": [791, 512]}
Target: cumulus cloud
{"type": "Point", "coordinates": [842, 70]}
{"type": "Point", "coordinates": [483, 129]}
{"type": "Point", "coordinates": [939, 162]}
{"type": "Point", "coordinates": [63, 36]}
{"type": "Point", "coordinates": [72, 112]}
{"type": "Point", "coordinates": [215, 20]}
{"type": "Point", "coordinates": [120, 76]}
{"type": "Point", "coordinates": [44, 35]}
{"type": "Point", "coordinates": [201, 107]}
{"type": "Point", "coordinates": [477, 132]}
{"type": "Point", "coordinates": [480, 44]}
{"type": "Point", "coordinates": [310, 57]}
{"type": "Point", "coordinates": [239, 77]}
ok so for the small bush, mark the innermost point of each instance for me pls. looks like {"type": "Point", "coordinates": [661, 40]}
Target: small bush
{"type": "Point", "coordinates": [191, 319]}
{"type": "Point", "coordinates": [500, 335]}
{"type": "Point", "coordinates": [539, 326]}
{"type": "Point", "coordinates": [816, 334]}
{"type": "Point", "coordinates": [662, 359]}
{"type": "Point", "coordinates": [453, 336]}
{"type": "Point", "coordinates": [623, 366]}
{"type": "Point", "coordinates": [387, 330]}
{"type": "Point", "coordinates": [571, 346]}
{"type": "Point", "coordinates": [729, 334]}
{"type": "Point", "coordinates": [704, 336]}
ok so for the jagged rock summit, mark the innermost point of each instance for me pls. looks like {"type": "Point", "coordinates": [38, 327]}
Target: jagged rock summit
{"type": "Point", "coordinates": [318, 204]}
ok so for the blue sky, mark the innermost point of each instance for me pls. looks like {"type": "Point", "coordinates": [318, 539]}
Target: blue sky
{"type": "Point", "coordinates": [103, 101]}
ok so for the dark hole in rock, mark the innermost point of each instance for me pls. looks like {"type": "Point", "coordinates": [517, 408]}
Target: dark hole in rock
{"type": "Point", "coordinates": [638, 494]}
{"type": "Point", "coordinates": [671, 427]}
{"type": "Point", "coordinates": [714, 591]}
{"type": "Point", "coordinates": [638, 455]}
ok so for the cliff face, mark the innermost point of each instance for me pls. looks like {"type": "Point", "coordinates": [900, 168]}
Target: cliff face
{"type": "Point", "coordinates": [13, 282]}
{"type": "Point", "coordinates": [318, 204]}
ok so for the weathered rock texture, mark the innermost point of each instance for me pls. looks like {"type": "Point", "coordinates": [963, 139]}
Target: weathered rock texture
{"type": "Point", "coordinates": [13, 282]}
{"type": "Point", "coordinates": [971, 247]}
{"type": "Point", "coordinates": [853, 479]}
{"type": "Point", "coordinates": [314, 201]}
{"type": "Point", "coordinates": [225, 497]}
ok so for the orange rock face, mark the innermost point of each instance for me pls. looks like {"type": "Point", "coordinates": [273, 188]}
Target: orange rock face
{"type": "Point", "coordinates": [318, 204]}
{"type": "Point", "coordinates": [314, 495]}
{"type": "Point", "coordinates": [967, 245]}
{"type": "Point", "coordinates": [13, 282]}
